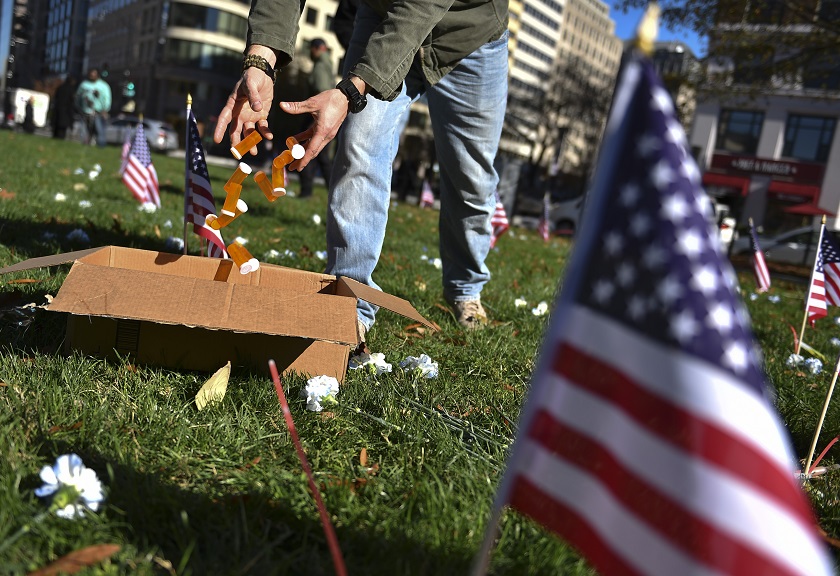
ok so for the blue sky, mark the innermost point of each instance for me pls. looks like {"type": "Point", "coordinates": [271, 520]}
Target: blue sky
{"type": "Point", "coordinates": [625, 28]}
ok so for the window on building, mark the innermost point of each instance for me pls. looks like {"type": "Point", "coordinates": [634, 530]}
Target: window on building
{"type": "Point", "coordinates": [808, 138]}
{"type": "Point", "coordinates": [311, 16]}
{"type": "Point", "coordinates": [822, 73]}
{"type": "Point", "coordinates": [739, 130]}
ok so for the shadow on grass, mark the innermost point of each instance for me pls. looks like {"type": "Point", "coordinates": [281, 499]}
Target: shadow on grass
{"type": "Point", "coordinates": [251, 533]}
{"type": "Point", "coordinates": [32, 239]}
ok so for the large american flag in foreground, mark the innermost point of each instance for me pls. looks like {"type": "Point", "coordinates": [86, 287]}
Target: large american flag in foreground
{"type": "Point", "coordinates": [762, 274]}
{"type": "Point", "coordinates": [199, 202]}
{"type": "Point", "coordinates": [648, 440]}
{"type": "Point", "coordinates": [498, 222]}
{"type": "Point", "coordinates": [139, 174]}
{"type": "Point", "coordinates": [825, 278]}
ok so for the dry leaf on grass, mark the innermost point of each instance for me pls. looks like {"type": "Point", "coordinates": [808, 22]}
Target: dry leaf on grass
{"type": "Point", "coordinates": [214, 389]}
{"type": "Point", "coordinates": [78, 559]}
{"type": "Point", "coordinates": [23, 281]}
{"type": "Point", "coordinates": [157, 230]}
{"type": "Point", "coordinates": [363, 457]}
{"type": "Point", "coordinates": [7, 194]}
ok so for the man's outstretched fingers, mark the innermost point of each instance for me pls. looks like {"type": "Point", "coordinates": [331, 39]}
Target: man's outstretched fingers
{"type": "Point", "coordinates": [221, 124]}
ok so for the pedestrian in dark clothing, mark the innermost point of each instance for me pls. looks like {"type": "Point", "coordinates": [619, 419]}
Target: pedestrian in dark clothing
{"type": "Point", "coordinates": [320, 79]}
{"type": "Point", "coordinates": [64, 109]}
{"type": "Point", "coordinates": [29, 116]}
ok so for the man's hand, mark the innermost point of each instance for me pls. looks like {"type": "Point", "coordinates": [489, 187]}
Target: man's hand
{"type": "Point", "coordinates": [247, 108]}
{"type": "Point", "coordinates": [329, 109]}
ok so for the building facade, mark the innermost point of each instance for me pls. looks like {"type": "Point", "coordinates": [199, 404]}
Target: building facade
{"type": "Point", "coordinates": [770, 150]}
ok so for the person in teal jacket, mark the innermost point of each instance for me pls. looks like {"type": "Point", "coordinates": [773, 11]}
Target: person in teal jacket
{"type": "Point", "coordinates": [454, 52]}
{"type": "Point", "coordinates": [93, 100]}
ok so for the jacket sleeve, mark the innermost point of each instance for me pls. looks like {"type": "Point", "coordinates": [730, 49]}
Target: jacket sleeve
{"type": "Point", "coordinates": [274, 23]}
{"type": "Point", "coordinates": [391, 49]}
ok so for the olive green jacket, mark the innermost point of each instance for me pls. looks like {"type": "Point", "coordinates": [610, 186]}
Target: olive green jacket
{"type": "Point", "coordinates": [444, 32]}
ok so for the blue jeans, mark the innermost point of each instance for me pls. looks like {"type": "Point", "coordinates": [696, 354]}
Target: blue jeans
{"type": "Point", "coordinates": [95, 129]}
{"type": "Point", "coordinates": [467, 108]}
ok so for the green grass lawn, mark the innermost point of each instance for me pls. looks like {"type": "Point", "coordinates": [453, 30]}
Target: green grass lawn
{"type": "Point", "coordinates": [221, 491]}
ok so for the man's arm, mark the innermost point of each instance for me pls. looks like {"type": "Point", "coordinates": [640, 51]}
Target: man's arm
{"type": "Point", "coordinates": [272, 29]}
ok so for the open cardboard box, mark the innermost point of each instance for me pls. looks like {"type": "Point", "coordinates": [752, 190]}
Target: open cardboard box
{"type": "Point", "coordinates": [193, 313]}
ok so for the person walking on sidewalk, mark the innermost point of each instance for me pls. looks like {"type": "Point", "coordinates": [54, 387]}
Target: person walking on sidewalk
{"type": "Point", "coordinates": [321, 79]}
{"type": "Point", "coordinates": [454, 53]}
{"type": "Point", "coordinates": [93, 99]}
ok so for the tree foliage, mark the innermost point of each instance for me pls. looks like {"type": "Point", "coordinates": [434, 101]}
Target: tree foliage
{"type": "Point", "coordinates": [777, 44]}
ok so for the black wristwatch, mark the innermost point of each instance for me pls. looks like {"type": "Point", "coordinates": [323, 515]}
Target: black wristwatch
{"type": "Point", "coordinates": [356, 100]}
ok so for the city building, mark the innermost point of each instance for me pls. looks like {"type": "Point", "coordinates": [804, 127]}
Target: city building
{"type": "Point", "coordinates": [158, 51]}
{"type": "Point", "coordinates": [769, 150]}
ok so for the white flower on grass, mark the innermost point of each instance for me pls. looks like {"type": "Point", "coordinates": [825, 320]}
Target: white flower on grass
{"type": "Point", "coordinates": [520, 302]}
{"type": "Point", "coordinates": [321, 254]}
{"type": "Point", "coordinates": [319, 391]}
{"type": "Point", "coordinates": [79, 171]}
{"type": "Point", "coordinates": [167, 224]}
{"type": "Point", "coordinates": [753, 296]}
{"type": "Point", "coordinates": [437, 263]}
{"type": "Point", "coordinates": [289, 254]}
{"type": "Point", "coordinates": [85, 204]}
{"type": "Point", "coordinates": [316, 219]}
{"type": "Point", "coordinates": [93, 174]}
{"type": "Point", "coordinates": [813, 365]}
{"type": "Point", "coordinates": [97, 168]}
{"type": "Point", "coordinates": [835, 342]}
{"type": "Point", "coordinates": [148, 207]}
{"type": "Point", "coordinates": [424, 365]}
{"type": "Point", "coordinates": [837, 320]}
{"type": "Point", "coordinates": [78, 236]}
{"type": "Point", "coordinates": [541, 309]}
{"type": "Point", "coordinates": [373, 364]}
{"type": "Point", "coordinates": [73, 487]}
{"type": "Point", "coordinates": [271, 255]}
{"type": "Point", "coordinates": [59, 197]}
{"type": "Point", "coordinates": [774, 298]}
{"type": "Point", "coordinates": [173, 243]}
{"type": "Point", "coordinates": [423, 257]}
{"type": "Point", "coordinates": [240, 240]}
{"type": "Point", "coordinates": [794, 360]}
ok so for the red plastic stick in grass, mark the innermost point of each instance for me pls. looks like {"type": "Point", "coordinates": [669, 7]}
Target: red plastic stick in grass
{"type": "Point", "coordinates": [329, 531]}
{"type": "Point", "coordinates": [822, 455]}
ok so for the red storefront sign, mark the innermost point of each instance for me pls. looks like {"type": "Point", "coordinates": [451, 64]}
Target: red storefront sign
{"type": "Point", "coordinates": [798, 172]}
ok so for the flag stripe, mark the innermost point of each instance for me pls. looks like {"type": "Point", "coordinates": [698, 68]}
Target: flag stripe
{"type": "Point", "coordinates": [199, 201]}
{"type": "Point", "coordinates": [669, 421]}
{"type": "Point", "coordinates": [543, 507]}
{"type": "Point", "coordinates": [721, 400]}
{"type": "Point", "coordinates": [708, 493]}
{"type": "Point", "coordinates": [708, 540]}
{"type": "Point", "coordinates": [626, 534]}
{"type": "Point", "coordinates": [832, 283]}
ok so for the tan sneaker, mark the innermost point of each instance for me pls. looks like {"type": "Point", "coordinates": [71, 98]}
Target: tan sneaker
{"type": "Point", "coordinates": [470, 314]}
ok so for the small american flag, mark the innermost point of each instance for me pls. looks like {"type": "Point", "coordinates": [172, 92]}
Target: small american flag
{"type": "Point", "coordinates": [648, 440]}
{"type": "Point", "coordinates": [199, 202]}
{"type": "Point", "coordinates": [544, 227]}
{"type": "Point", "coordinates": [825, 279]}
{"type": "Point", "coordinates": [499, 221]}
{"type": "Point", "coordinates": [427, 197]}
{"type": "Point", "coordinates": [139, 174]}
{"type": "Point", "coordinates": [762, 274]}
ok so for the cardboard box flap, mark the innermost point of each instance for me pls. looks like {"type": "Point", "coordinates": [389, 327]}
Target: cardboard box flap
{"type": "Point", "coordinates": [349, 287]}
{"type": "Point", "coordinates": [54, 260]}
{"type": "Point", "coordinates": [141, 295]}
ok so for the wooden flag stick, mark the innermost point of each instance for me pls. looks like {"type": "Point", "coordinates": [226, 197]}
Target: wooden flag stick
{"type": "Point", "coordinates": [822, 418]}
{"type": "Point", "coordinates": [187, 192]}
{"type": "Point", "coordinates": [810, 285]}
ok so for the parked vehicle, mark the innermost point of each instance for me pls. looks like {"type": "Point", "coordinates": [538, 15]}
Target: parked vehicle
{"type": "Point", "coordinates": [797, 246]}
{"type": "Point", "coordinates": [160, 135]}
